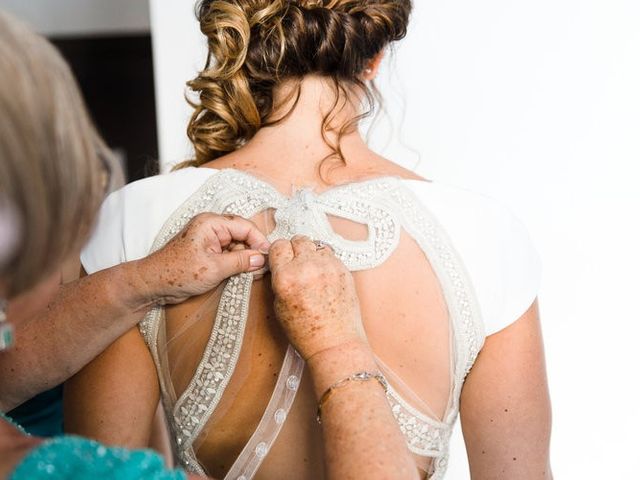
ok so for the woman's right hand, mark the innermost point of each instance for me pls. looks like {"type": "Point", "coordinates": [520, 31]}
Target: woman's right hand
{"type": "Point", "coordinates": [210, 249]}
{"type": "Point", "coordinates": [315, 297]}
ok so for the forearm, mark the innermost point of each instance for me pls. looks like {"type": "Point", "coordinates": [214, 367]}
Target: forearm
{"type": "Point", "coordinates": [361, 436]}
{"type": "Point", "coordinates": [86, 316]}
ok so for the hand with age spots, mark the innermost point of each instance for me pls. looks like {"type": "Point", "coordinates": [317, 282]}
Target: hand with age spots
{"type": "Point", "coordinates": [315, 297]}
{"type": "Point", "coordinates": [210, 249]}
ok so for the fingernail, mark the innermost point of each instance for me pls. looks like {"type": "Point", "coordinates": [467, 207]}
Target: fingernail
{"type": "Point", "coordinates": [256, 261]}
{"type": "Point", "coordinates": [260, 272]}
{"type": "Point", "coordinates": [264, 248]}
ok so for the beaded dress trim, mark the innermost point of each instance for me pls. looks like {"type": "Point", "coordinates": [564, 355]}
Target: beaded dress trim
{"type": "Point", "coordinates": [385, 206]}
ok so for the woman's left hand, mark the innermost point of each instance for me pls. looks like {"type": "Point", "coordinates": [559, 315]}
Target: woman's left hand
{"type": "Point", "coordinates": [315, 297]}
{"type": "Point", "coordinates": [210, 249]}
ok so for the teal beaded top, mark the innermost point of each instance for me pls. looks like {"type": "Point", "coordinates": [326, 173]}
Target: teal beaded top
{"type": "Point", "coordinates": [69, 457]}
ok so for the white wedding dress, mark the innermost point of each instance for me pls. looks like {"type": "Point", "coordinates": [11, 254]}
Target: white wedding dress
{"type": "Point", "coordinates": [437, 268]}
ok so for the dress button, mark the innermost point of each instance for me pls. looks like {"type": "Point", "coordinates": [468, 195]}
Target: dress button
{"type": "Point", "coordinates": [262, 450]}
{"type": "Point", "coordinates": [293, 382]}
{"type": "Point", "coordinates": [280, 416]}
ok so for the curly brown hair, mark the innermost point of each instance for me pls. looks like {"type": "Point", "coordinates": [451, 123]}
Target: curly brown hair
{"type": "Point", "coordinates": [256, 45]}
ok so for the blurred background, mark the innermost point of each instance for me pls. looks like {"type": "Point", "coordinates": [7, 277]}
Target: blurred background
{"type": "Point", "coordinates": [536, 104]}
{"type": "Point", "coordinates": [108, 45]}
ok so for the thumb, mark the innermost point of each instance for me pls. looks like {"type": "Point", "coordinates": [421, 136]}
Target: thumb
{"type": "Point", "coordinates": [240, 261]}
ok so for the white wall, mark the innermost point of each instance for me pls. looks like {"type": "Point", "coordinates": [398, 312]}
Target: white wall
{"type": "Point", "coordinates": [537, 104]}
{"type": "Point", "coordinates": [179, 52]}
{"type": "Point", "coordinates": [81, 17]}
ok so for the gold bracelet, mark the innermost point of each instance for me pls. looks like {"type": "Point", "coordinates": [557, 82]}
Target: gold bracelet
{"type": "Point", "coordinates": [356, 377]}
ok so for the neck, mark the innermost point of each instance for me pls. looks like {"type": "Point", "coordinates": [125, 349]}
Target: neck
{"type": "Point", "coordinates": [299, 135]}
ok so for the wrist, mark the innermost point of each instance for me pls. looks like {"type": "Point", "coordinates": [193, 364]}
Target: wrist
{"type": "Point", "coordinates": [359, 377]}
{"type": "Point", "coordinates": [341, 349]}
{"type": "Point", "coordinates": [138, 287]}
{"type": "Point", "coordinates": [336, 363]}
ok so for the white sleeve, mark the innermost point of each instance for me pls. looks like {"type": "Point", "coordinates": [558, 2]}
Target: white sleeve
{"type": "Point", "coordinates": [106, 245]}
{"type": "Point", "coordinates": [131, 218]}
{"type": "Point", "coordinates": [517, 270]}
{"type": "Point", "coordinates": [502, 263]}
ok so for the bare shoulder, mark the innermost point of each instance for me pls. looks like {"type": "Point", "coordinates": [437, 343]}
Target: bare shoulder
{"type": "Point", "coordinates": [372, 165]}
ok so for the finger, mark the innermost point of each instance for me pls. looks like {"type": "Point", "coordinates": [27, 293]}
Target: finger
{"type": "Point", "coordinates": [328, 248]}
{"type": "Point", "coordinates": [259, 274]}
{"type": "Point", "coordinates": [239, 261]}
{"type": "Point", "coordinates": [327, 251]}
{"type": "Point", "coordinates": [281, 253]}
{"type": "Point", "coordinates": [234, 247]}
{"type": "Point", "coordinates": [302, 245]}
{"type": "Point", "coordinates": [242, 230]}
{"type": "Point", "coordinates": [223, 235]}
{"type": "Point", "coordinates": [213, 242]}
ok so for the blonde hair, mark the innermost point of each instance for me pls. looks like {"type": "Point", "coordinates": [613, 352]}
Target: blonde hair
{"type": "Point", "coordinates": [52, 161]}
{"type": "Point", "coordinates": [256, 45]}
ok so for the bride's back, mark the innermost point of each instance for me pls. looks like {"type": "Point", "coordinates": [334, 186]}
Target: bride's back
{"type": "Point", "coordinates": [370, 225]}
{"type": "Point", "coordinates": [277, 115]}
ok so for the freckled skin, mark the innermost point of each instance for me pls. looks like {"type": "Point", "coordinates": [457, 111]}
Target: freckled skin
{"type": "Point", "coordinates": [313, 289]}
{"type": "Point", "coordinates": [212, 256]}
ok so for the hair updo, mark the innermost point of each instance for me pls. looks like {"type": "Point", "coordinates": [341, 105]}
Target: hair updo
{"type": "Point", "coordinates": [254, 45]}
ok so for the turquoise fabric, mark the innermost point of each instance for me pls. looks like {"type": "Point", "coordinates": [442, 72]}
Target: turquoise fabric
{"type": "Point", "coordinates": [75, 458]}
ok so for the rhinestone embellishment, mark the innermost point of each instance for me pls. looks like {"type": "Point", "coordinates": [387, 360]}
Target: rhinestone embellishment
{"type": "Point", "coordinates": [424, 435]}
